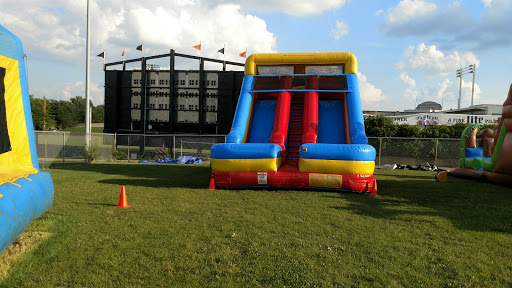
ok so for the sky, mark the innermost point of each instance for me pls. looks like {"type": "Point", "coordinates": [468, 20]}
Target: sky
{"type": "Point", "coordinates": [408, 51]}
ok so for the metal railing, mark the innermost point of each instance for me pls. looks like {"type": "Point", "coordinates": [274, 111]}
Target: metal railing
{"type": "Point", "coordinates": [66, 147]}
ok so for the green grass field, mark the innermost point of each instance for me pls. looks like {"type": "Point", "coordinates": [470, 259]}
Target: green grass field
{"type": "Point", "coordinates": [418, 233]}
{"type": "Point", "coordinates": [81, 129]}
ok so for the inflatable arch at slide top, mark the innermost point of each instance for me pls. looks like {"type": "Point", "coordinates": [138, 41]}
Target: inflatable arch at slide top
{"type": "Point", "coordinates": [25, 193]}
{"type": "Point", "coordinates": [298, 124]}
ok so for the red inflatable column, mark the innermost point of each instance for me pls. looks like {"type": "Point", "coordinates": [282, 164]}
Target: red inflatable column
{"type": "Point", "coordinates": [310, 120]}
{"type": "Point", "coordinates": [282, 115]}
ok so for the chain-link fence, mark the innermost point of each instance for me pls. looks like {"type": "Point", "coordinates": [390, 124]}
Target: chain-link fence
{"type": "Point", "coordinates": [441, 152]}
{"type": "Point", "coordinates": [66, 147]}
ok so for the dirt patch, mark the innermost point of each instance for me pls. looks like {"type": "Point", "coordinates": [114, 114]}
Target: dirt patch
{"type": "Point", "coordinates": [26, 243]}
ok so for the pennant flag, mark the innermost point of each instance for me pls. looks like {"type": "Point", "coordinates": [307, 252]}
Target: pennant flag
{"type": "Point", "coordinates": [243, 54]}
{"type": "Point", "coordinates": [198, 47]}
{"type": "Point", "coordinates": [139, 47]}
{"type": "Point", "coordinates": [221, 51]}
{"type": "Point", "coordinates": [122, 53]}
{"type": "Point", "coordinates": [102, 54]}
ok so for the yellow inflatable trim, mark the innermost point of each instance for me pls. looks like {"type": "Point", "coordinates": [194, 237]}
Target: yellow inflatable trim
{"type": "Point", "coordinates": [16, 163]}
{"type": "Point", "coordinates": [231, 165]}
{"type": "Point", "coordinates": [276, 59]}
{"type": "Point", "coordinates": [337, 166]}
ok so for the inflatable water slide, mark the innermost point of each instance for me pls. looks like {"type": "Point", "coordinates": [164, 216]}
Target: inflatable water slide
{"type": "Point", "coordinates": [298, 124]}
{"type": "Point", "coordinates": [25, 192]}
{"type": "Point", "coordinates": [488, 155]}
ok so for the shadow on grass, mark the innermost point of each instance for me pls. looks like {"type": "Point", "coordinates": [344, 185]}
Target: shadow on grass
{"type": "Point", "coordinates": [469, 205]}
{"type": "Point", "coordinates": [147, 175]}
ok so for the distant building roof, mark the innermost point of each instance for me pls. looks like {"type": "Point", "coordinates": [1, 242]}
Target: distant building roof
{"type": "Point", "coordinates": [429, 105]}
{"type": "Point", "coordinates": [481, 109]}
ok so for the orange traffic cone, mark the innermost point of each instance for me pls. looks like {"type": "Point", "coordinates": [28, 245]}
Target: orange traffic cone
{"type": "Point", "coordinates": [374, 189]}
{"type": "Point", "coordinates": [212, 184]}
{"type": "Point", "coordinates": [123, 202]}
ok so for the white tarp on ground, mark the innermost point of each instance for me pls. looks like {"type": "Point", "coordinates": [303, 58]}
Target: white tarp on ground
{"type": "Point", "coordinates": [428, 119]}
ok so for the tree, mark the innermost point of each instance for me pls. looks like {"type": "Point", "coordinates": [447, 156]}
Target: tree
{"type": "Point", "coordinates": [406, 130]}
{"type": "Point", "coordinates": [79, 107]}
{"type": "Point", "coordinates": [436, 131]}
{"type": "Point", "coordinates": [37, 109]}
{"type": "Point", "coordinates": [380, 126]}
{"type": "Point", "coordinates": [65, 113]}
{"type": "Point", "coordinates": [457, 129]}
{"type": "Point", "coordinates": [98, 114]}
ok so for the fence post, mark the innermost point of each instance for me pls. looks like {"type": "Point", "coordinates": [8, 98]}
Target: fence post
{"type": "Point", "coordinates": [173, 146]}
{"type": "Point", "coordinates": [181, 149]}
{"type": "Point", "coordinates": [114, 146]}
{"type": "Point", "coordinates": [380, 149]}
{"type": "Point", "coordinates": [437, 144]}
{"type": "Point", "coordinates": [63, 147]}
{"type": "Point", "coordinates": [129, 156]}
{"type": "Point", "coordinates": [225, 138]}
{"type": "Point", "coordinates": [45, 149]}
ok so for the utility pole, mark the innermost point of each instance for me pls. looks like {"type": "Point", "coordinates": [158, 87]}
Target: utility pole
{"type": "Point", "coordinates": [463, 71]}
{"type": "Point", "coordinates": [87, 72]}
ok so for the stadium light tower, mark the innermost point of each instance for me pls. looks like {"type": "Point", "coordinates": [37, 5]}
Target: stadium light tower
{"type": "Point", "coordinates": [87, 72]}
{"type": "Point", "coordinates": [463, 71]}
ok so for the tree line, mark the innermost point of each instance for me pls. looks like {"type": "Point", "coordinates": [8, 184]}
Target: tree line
{"type": "Point", "coordinates": [382, 126]}
{"type": "Point", "coordinates": [62, 114]}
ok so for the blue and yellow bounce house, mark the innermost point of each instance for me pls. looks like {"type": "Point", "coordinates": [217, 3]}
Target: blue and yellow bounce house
{"type": "Point", "coordinates": [25, 193]}
{"type": "Point", "coordinates": [298, 124]}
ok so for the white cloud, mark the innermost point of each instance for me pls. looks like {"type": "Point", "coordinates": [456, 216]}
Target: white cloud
{"type": "Point", "coordinates": [54, 31]}
{"type": "Point", "coordinates": [407, 80]}
{"type": "Point", "coordinates": [71, 90]}
{"type": "Point", "coordinates": [424, 60]}
{"type": "Point", "coordinates": [292, 7]}
{"type": "Point", "coordinates": [371, 96]}
{"type": "Point", "coordinates": [340, 30]}
{"type": "Point", "coordinates": [379, 12]}
{"type": "Point", "coordinates": [449, 25]}
{"type": "Point", "coordinates": [445, 92]}
{"type": "Point", "coordinates": [59, 33]}
{"type": "Point", "coordinates": [487, 3]}
{"type": "Point", "coordinates": [408, 10]}
{"type": "Point", "coordinates": [433, 62]}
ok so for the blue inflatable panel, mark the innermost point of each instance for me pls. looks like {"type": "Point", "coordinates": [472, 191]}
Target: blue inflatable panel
{"type": "Point", "coordinates": [331, 122]}
{"type": "Point", "coordinates": [243, 109]}
{"type": "Point", "coordinates": [246, 151]}
{"type": "Point", "coordinates": [19, 206]}
{"type": "Point", "coordinates": [477, 152]}
{"type": "Point", "coordinates": [354, 115]}
{"type": "Point", "coordinates": [348, 152]}
{"type": "Point", "coordinates": [262, 121]}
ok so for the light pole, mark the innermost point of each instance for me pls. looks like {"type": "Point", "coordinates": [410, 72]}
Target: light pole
{"type": "Point", "coordinates": [463, 71]}
{"type": "Point", "coordinates": [87, 64]}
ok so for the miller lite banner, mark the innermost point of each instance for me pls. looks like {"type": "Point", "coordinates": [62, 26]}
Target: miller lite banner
{"type": "Point", "coordinates": [430, 119]}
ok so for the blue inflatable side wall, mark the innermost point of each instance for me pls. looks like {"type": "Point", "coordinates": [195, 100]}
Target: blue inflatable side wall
{"type": "Point", "coordinates": [20, 205]}
{"type": "Point", "coordinates": [25, 192]}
